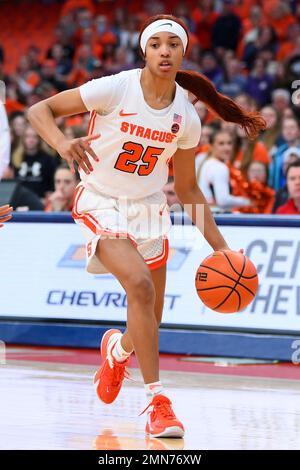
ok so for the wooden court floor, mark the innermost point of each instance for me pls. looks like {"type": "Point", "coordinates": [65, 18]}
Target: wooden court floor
{"type": "Point", "coordinates": [47, 404]}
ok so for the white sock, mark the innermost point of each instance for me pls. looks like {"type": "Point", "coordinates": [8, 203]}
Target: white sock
{"type": "Point", "coordinates": [119, 352]}
{"type": "Point", "coordinates": [155, 388]}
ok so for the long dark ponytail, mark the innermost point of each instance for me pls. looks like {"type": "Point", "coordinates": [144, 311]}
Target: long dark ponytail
{"type": "Point", "coordinates": [204, 90]}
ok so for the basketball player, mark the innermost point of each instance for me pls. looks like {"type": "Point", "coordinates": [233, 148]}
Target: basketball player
{"type": "Point", "coordinates": [139, 119]}
{"type": "Point", "coordinates": [4, 159]}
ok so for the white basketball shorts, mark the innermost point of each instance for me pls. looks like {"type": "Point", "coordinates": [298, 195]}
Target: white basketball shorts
{"type": "Point", "coordinates": [145, 222]}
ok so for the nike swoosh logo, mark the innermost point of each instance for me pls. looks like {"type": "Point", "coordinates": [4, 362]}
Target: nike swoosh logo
{"type": "Point", "coordinates": [153, 386]}
{"type": "Point", "coordinates": [165, 24]}
{"type": "Point", "coordinates": [121, 113]}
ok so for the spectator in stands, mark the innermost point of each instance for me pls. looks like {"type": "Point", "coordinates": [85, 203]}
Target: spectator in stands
{"type": "Point", "coordinates": [206, 134]}
{"type": "Point", "coordinates": [246, 101]}
{"type": "Point", "coordinates": [247, 151]}
{"type": "Point", "coordinates": [84, 18]}
{"type": "Point", "coordinates": [120, 63]}
{"type": "Point", "coordinates": [193, 59]}
{"type": "Point", "coordinates": [172, 199]}
{"type": "Point", "coordinates": [292, 65]}
{"type": "Point", "coordinates": [17, 127]}
{"type": "Point", "coordinates": [37, 167]}
{"type": "Point", "coordinates": [259, 83]}
{"type": "Point", "coordinates": [229, 127]}
{"type": "Point", "coordinates": [291, 135]}
{"type": "Point", "coordinates": [266, 44]}
{"type": "Point", "coordinates": [88, 37]}
{"type": "Point", "coordinates": [213, 174]}
{"type": "Point", "coordinates": [105, 33]}
{"type": "Point", "coordinates": [291, 155]}
{"type": "Point", "coordinates": [63, 64]}
{"type": "Point", "coordinates": [210, 67]}
{"type": "Point", "coordinates": [201, 111]}
{"type": "Point", "coordinates": [182, 11]}
{"type": "Point", "coordinates": [70, 6]}
{"type": "Point", "coordinates": [287, 46]}
{"type": "Point", "coordinates": [292, 206]}
{"type": "Point", "coordinates": [68, 24]}
{"type": "Point", "coordinates": [4, 158]}
{"type": "Point", "coordinates": [83, 67]}
{"type": "Point", "coordinates": [204, 18]}
{"type": "Point", "coordinates": [281, 100]}
{"type": "Point", "coordinates": [33, 56]}
{"type": "Point", "coordinates": [231, 82]}
{"type": "Point", "coordinates": [271, 137]}
{"type": "Point", "coordinates": [280, 17]}
{"type": "Point", "coordinates": [252, 185]}
{"type": "Point", "coordinates": [226, 29]}
{"type": "Point", "coordinates": [49, 75]}
{"type": "Point", "coordinates": [258, 171]}
{"type": "Point", "coordinates": [4, 140]}
{"type": "Point", "coordinates": [128, 38]}
{"type": "Point", "coordinates": [23, 199]}
{"type": "Point", "coordinates": [65, 183]}
{"type": "Point", "coordinates": [252, 25]}
{"type": "Point", "coordinates": [204, 145]}
{"type": "Point", "coordinates": [62, 38]}
{"type": "Point", "coordinates": [25, 78]}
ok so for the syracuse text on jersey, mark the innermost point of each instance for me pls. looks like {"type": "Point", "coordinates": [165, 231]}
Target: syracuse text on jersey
{"type": "Point", "coordinates": [147, 133]}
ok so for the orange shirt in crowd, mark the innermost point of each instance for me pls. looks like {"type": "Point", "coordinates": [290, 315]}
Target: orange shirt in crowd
{"type": "Point", "coordinates": [72, 121]}
{"type": "Point", "coordinates": [13, 106]}
{"type": "Point", "coordinates": [33, 79]}
{"type": "Point", "coordinates": [289, 208]}
{"type": "Point", "coordinates": [48, 207]}
{"type": "Point", "coordinates": [78, 76]}
{"type": "Point", "coordinates": [243, 7]}
{"type": "Point", "coordinates": [260, 154]}
{"type": "Point", "coordinates": [192, 41]}
{"type": "Point", "coordinates": [97, 51]}
{"type": "Point", "coordinates": [204, 30]}
{"type": "Point", "coordinates": [281, 25]}
{"type": "Point", "coordinates": [285, 50]}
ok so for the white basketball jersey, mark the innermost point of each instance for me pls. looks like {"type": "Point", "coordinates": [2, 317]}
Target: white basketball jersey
{"type": "Point", "coordinates": [136, 140]}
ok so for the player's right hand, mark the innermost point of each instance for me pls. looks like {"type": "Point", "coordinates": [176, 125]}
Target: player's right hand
{"type": "Point", "coordinates": [77, 150]}
{"type": "Point", "coordinates": [5, 214]}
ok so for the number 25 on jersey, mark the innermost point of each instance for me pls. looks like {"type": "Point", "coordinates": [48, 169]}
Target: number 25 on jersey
{"type": "Point", "coordinates": [134, 152]}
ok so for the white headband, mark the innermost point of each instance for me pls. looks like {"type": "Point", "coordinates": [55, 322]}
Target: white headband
{"type": "Point", "coordinates": [159, 26]}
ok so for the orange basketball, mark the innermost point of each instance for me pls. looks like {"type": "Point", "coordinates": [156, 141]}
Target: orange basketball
{"type": "Point", "coordinates": [226, 281]}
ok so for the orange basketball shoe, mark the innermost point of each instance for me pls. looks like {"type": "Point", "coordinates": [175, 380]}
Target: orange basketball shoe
{"type": "Point", "coordinates": [161, 420]}
{"type": "Point", "coordinates": [109, 378]}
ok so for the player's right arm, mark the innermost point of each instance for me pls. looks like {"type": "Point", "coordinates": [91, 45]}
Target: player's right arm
{"type": "Point", "coordinates": [42, 118]}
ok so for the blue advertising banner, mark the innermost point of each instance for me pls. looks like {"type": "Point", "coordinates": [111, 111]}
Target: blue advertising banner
{"type": "Point", "coordinates": [42, 270]}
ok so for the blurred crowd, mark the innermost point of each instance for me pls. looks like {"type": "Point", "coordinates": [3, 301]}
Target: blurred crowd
{"type": "Point", "coordinates": [250, 49]}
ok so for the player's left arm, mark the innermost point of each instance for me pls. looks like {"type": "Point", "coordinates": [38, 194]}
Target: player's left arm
{"type": "Point", "coordinates": [192, 198]}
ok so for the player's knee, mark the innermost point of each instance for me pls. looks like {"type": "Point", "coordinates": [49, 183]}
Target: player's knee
{"type": "Point", "coordinates": [140, 288]}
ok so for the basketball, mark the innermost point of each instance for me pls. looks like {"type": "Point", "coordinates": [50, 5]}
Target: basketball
{"type": "Point", "coordinates": [226, 281]}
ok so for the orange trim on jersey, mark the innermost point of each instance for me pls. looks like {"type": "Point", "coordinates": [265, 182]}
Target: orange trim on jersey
{"type": "Point", "coordinates": [92, 223]}
{"type": "Point", "coordinates": [160, 262]}
{"type": "Point", "coordinates": [92, 122]}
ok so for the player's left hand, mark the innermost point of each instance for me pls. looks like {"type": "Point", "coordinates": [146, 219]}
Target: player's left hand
{"type": "Point", "coordinates": [241, 250]}
{"type": "Point", "coordinates": [5, 214]}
